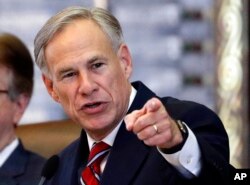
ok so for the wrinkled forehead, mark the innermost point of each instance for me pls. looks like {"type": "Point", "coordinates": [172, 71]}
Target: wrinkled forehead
{"type": "Point", "coordinates": [81, 32]}
{"type": "Point", "coordinates": [81, 23]}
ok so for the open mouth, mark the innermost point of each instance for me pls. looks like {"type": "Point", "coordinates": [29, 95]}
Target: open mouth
{"type": "Point", "coordinates": [93, 105]}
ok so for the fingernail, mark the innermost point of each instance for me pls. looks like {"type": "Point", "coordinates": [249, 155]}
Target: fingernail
{"type": "Point", "coordinates": [128, 127]}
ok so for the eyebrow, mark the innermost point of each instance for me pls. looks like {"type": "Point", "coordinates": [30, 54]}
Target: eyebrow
{"type": "Point", "coordinates": [62, 71]}
{"type": "Point", "coordinates": [90, 61]}
{"type": "Point", "coordinates": [95, 58]}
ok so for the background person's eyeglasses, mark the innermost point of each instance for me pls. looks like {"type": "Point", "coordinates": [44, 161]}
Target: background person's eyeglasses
{"type": "Point", "coordinates": [4, 91]}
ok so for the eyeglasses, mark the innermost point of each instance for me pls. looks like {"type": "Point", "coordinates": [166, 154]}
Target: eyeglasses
{"type": "Point", "coordinates": [4, 91]}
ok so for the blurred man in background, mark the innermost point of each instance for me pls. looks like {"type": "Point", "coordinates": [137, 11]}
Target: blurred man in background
{"type": "Point", "coordinates": [17, 165]}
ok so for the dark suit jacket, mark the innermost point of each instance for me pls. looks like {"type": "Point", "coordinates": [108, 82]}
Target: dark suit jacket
{"type": "Point", "coordinates": [131, 162]}
{"type": "Point", "coordinates": [21, 168]}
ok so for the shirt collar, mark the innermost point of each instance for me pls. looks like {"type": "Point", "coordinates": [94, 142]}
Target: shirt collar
{"type": "Point", "coordinates": [109, 139]}
{"type": "Point", "coordinates": [7, 151]}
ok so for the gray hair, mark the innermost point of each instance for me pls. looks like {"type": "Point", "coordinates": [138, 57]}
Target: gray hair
{"type": "Point", "coordinates": [106, 21]}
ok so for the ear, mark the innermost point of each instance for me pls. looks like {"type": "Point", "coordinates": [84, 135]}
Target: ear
{"type": "Point", "coordinates": [125, 59]}
{"type": "Point", "coordinates": [50, 87]}
{"type": "Point", "coordinates": [21, 104]}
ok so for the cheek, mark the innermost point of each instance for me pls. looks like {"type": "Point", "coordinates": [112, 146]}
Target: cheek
{"type": "Point", "coordinates": [119, 89]}
{"type": "Point", "coordinates": [63, 94]}
{"type": "Point", "coordinates": [7, 113]}
{"type": "Point", "coordinates": [67, 102]}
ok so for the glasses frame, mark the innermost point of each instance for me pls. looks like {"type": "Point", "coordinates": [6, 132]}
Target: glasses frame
{"type": "Point", "coordinates": [4, 91]}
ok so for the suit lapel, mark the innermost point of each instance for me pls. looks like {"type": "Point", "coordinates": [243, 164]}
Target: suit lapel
{"type": "Point", "coordinates": [79, 161]}
{"type": "Point", "coordinates": [5, 180]}
{"type": "Point", "coordinates": [128, 152]}
{"type": "Point", "coordinates": [14, 166]}
{"type": "Point", "coordinates": [126, 156]}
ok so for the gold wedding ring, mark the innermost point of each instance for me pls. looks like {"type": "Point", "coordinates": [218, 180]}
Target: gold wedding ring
{"type": "Point", "coordinates": [156, 128]}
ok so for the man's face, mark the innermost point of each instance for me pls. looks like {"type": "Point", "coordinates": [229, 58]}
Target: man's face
{"type": "Point", "coordinates": [88, 78]}
{"type": "Point", "coordinates": [8, 108]}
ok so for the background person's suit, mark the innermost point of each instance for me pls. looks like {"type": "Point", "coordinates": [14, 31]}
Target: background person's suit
{"type": "Point", "coordinates": [21, 168]}
{"type": "Point", "coordinates": [131, 162]}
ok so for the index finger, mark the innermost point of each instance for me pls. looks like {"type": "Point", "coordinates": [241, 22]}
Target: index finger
{"type": "Point", "coordinates": [131, 118]}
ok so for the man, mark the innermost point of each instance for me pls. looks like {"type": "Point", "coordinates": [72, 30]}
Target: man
{"type": "Point", "coordinates": [86, 67]}
{"type": "Point", "coordinates": [17, 165]}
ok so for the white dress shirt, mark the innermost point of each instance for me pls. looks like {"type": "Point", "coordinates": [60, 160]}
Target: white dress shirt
{"type": "Point", "coordinates": [187, 161]}
{"type": "Point", "coordinates": [7, 151]}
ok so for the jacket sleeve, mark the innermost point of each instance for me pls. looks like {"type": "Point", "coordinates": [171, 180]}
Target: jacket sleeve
{"type": "Point", "coordinates": [211, 136]}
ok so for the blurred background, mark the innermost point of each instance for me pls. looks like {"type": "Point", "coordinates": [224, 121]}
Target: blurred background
{"type": "Point", "coordinates": [189, 49]}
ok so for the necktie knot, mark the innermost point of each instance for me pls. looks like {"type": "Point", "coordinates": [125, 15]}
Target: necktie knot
{"type": "Point", "coordinates": [99, 150]}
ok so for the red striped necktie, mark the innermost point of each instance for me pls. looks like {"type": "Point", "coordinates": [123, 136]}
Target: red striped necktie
{"type": "Point", "coordinates": [91, 174]}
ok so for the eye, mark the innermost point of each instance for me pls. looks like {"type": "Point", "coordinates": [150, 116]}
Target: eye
{"type": "Point", "coordinates": [97, 65]}
{"type": "Point", "coordinates": [69, 74]}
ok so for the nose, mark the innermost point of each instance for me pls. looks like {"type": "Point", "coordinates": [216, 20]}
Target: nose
{"type": "Point", "coordinates": [87, 84]}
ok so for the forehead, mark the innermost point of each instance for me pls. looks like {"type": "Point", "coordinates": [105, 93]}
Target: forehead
{"type": "Point", "coordinates": [84, 28]}
{"type": "Point", "coordinates": [79, 41]}
{"type": "Point", "coordinates": [79, 34]}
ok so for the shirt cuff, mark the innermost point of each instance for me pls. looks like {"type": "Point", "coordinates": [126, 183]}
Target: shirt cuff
{"type": "Point", "coordinates": [188, 160]}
